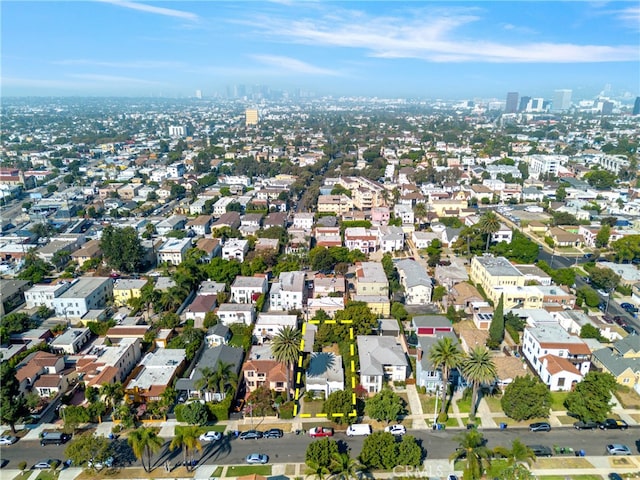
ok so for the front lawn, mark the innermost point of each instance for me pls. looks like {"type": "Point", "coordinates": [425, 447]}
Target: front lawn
{"type": "Point", "coordinates": [464, 405]}
{"type": "Point", "coordinates": [514, 423]}
{"type": "Point", "coordinates": [428, 403]}
{"type": "Point", "coordinates": [557, 401]}
{"type": "Point", "coordinates": [628, 397]}
{"type": "Point", "coordinates": [204, 429]}
{"type": "Point", "coordinates": [242, 470]}
{"type": "Point", "coordinates": [47, 475]}
{"type": "Point", "coordinates": [493, 402]}
{"type": "Point", "coordinates": [566, 419]}
{"type": "Point", "coordinates": [311, 408]}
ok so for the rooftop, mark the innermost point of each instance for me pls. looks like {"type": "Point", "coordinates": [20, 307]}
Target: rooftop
{"type": "Point", "coordinates": [84, 286]}
{"type": "Point", "coordinates": [498, 266]}
{"type": "Point", "coordinates": [158, 368]}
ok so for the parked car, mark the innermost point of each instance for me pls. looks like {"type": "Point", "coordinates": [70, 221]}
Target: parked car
{"type": "Point", "coordinates": [614, 476]}
{"type": "Point", "coordinates": [321, 432]}
{"type": "Point", "coordinates": [99, 465]}
{"type": "Point", "coordinates": [630, 330]}
{"type": "Point", "coordinates": [602, 293]}
{"type": "Point", "coordinates": [540, 427]}
{"type": "Point", "coordinates": [613, 424]}
{"type": "Point", "coordinates": [250, 435]}
{"type": "Point", "coordinates": [257, 458]}
{"type": "Point", "coordinates": [541, 450]}
{"type": "Point", "coordinates": [273, 433]}
{"type": "Point", "coordinates": [618, 449]}
{"type": "Point", "coordinates": [626, 305]}
{"type": "Point", "coordinates": [46, 464]}
{"type": "Point", "coordinates": [210, 436]}
{"type": "Point", "coordinates": [396, 429]}
{"type": "Point", "coordinates": [8, 440]}
{"type": "Point", "coordinates": [585, 425]}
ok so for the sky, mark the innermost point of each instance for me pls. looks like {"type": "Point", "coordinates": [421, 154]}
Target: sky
{"type": "Point", "coordinates": [449, 50]}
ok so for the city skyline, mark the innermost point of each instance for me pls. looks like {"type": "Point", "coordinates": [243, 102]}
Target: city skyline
{"type": "Point", "coordinates": [419, 49]}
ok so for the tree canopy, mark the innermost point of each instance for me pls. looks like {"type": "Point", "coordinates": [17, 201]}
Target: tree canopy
{"type": "Point", "coordinates": [121, 248]}
{"type": "Point", "coordinates": [381, 450]}
{"type": "Point", "coordinates": [526, 397]}
{"type": "Point", "coordinates": [385, 405]}
{"type": "Point", "coordinates": [590, 400]}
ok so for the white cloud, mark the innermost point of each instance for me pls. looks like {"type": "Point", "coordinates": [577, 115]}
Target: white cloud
{"type": "Point", "coordinates": [93, 77]}
{"type": "Point", "coordinates": [168, 12]}
{"type": "Point", "coordinates": [143, 64]}
{"type": "Point", "coordinates": [431, 36]}
{"type": "Point", "coordinates": [292, 65]}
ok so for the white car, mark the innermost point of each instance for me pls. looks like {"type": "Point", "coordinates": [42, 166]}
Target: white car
{"type": "Point", "coordinates": [98, 465]}
{"type": "Point", "coordinates": [45, 464]}
{"type": "Point", "coordinates": [396, 429]}
{"type": "Point", "coordinates": [8, 440]}
{"type": "Point", "coordinates": [210, 436]}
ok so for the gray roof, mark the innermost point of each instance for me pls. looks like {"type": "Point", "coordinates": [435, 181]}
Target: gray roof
{"type": "Point", "coordinates": [427, 342]}
{"type": "Point", "coordinates": [628, 343]}
{"type": "Point", "coordinates": [210, 358]}
{"type": "Point", "coordinates": [498, 266]}
{"type": "Point", "coordinates": [375, 352]}
{"type": "Point", "coordinates": [616, 364]}
{"type": "Point", "coordinates": [248, 282]}
{"type": "Point", "coordinates": [219, 329]}
{"type": "Point", "coordinates": [414, 273]}
{"type": "Point", "coordinates": [325, 365]}
{"type": "Point", "coordinates": [431, 321]}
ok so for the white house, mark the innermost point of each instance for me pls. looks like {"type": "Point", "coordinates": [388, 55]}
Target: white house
{"type": "Point", "coordinates": [270, 324]}
{"type": "Point", "coordinates": [84, 294]}
{"type": "Point", "coordinates": [235, 249]}
{"type": "Point", "coordinates": [423, 239]}
{"type": "Point", "coordinates": [44, 294]}
{"type": "Point", "coordinates": [416, 281]}
{"type": "Point", "coordinates": [229, 313]}
{"type": "Point", "coordinates": [303, 220]}
{"type": "Point", "coordinates": [289, 292]}
{"type": "Point", "coordinates": [248, 289]}
{"type": "Point", "coordinates": [174, 250]}
{"type": "Point", "coordinates": [325, 373]}
{"type": "Point", "coordinates": [390, 239]}
{"type": "Point", "coordinates": [71, 341]}
{"type": "Point", "coordinates": [381, 358]}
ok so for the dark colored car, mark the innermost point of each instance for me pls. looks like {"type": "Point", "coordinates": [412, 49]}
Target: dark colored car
{"type": "Point", "coordinates": [273, 433]}
{"type": "Point", "coordinates": [541, 450]}
{"type": "Point", "coordinates": [540, 427]}
{"type": "Point", "coordinates": [614, 476]}
{"type": "Point", "coordinates": [250, 435]}
{"type": "Point", "coordinates": [585, 425]}
{"type": "Point", "coordinates": [613, 424]}
{"type": "Point", "coordinates": [630, 330]}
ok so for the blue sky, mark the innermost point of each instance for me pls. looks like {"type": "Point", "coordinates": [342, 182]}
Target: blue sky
{"type": "Point", "coordinates": [393, 49]}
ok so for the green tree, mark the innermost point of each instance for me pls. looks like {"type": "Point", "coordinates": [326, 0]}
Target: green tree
{"type": "Point", "coordinates": [473, 452]}
{"type": "Point", "coordinates": [590, 400]}
{"type": "Point", "coordinates": [604, 278]}
{"type": "Point", "coordinates": [434, 252]}
{"type": "Point", "coordinates": [445, 356]}
{"type": "Point", "coordinates": [526, 397]}
{"type": "Point", "coordinates": [478, 368]}
{"type": "Point", "coordinates": [121, 248]}
{"type": "Point", "coordinates": [344, 467]}
{"type": "Point", "coordinates": [321, 453]}
{"type": "Point", "coordinates": [602, 237]}
{"type": "Point", "coordinates": [12, 403]}
{"type": "Point", "coordinates": [588, 295]}
{"type": "Point", "coordinates": [496, 329]}
{"type": "Point", "coordinates": [144, 442]}
{"type": "Point", "coordinates": [409, 451]}
{"type": "Point", "coordinates": [73, 416]}
{"type": "Point", "coordinates": [517, 472]}
{"type": "Point", "coordinates": [601, 179]}
{"type": "Point", "coordinates": [339, 402]}
{"type": "Point", "coordinates": [589, 331]}
{"type": "Point", "coordinates": [561, 192]}
{"type": "Point", "coordinates": [88, 447]}
{"type": "Point", "coordinates": [285, 348]}
{"type": "Point", "coordinates": [439, 293]}
{"type": "Point", "coordinates": [112, 393]}
{"type": "Point", "coordinates": [219, 379]}
{"type": "Point", "coordinates": [627, 248]}
{"type": "Point", "coordinates": [420, 211]}
{"type": "Point", "coordinates": [379, 451]}
{"type": "Point", "coordinates": [519, 453]}
{"type": "Point", "coordinates": [187, 439]}
{"type": "Point", "coordinates": [489, 224]}
{"type": "Point", "coordinates": [34, 269]}
{"type": "Point", "coordinates": [399, 312]}
{"type": "Point", "coordinates": [385, 405]}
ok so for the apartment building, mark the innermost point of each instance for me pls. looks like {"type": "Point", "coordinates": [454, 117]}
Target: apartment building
{"type": "Point", "coordinates": [336, 204]}
{"type": "Point", "coordinates": [173, 251]}
{"type": "Point", "coordinates": [84, 294]}
{"type": "Point", "coordinates": [289, 292]}
{"type": "Point", "coordinates": [248, 289]}
{"type": "Point", "coordinates": [489, 271]}
{"type": "Point", "coordinates": [125, 290]}
{"type": "Point", "coordinates": [371, 279]}
{"type": "Point", "coordinates": [360, 238]}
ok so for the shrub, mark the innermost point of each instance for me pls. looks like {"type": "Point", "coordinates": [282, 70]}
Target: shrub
{"type": "Point", "coordinates": [443, 417]}
{"type": "Point", "coordinates": [220, 410]}
{"type": "Point", "coordinates": [286, 411]}
{"type": "Point", "coordinates": [22, 466]}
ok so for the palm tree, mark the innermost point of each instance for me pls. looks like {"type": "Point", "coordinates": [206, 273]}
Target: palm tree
{"type": "Point", "coordinates": [420, 211]}
{"type": "Point", "coordinates": [474, 453]}
{"type": "Point", "coordinates": [478, 368]}
{"type": "Point", "coordinates": [344, 467]}
{"type": "Point", "coordinates": [446, 356]}
{"type": "Point", "coordinates": [144, 442]}
{"type": "Point", "coordinates": [112, 393]}
{"type": "Point", "coordinates": [187, 439]}
{"type": "Point", "coordinates": [489, 224]}
{"type": "Point", "coordinates": [218, 380]}
{"type": "Point", "coordinates": [285, 349]}
{"type": "Point", "coordinates": [519, 453]}
{"type": "Point", "coordinates": [316, 470]}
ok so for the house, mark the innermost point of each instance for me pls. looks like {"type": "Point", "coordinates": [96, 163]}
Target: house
{"type": "Point", "coordinates": [430, 325]}
{"type": "Point", "coordinates": [209, 287]}
{"type": "Point", "coordinates": [71, 341]}
{"type": "Point", "coordinates": [325, 374]}
{"type": "Point", "coordinates": [229, 219]}
{"type": "Point", "coordinates": [482, 315]}
{"type": "Point", "coordinates": [390, 239]}
{"type": "Point", "coordinates": [173, 251]}
{"type": "Point", "coordinates": [452, 274]}
{"type": "Point", "coordinates": [574, 320]}
{"type": "Point", "coordinates": [42, 369]}
{"type": "Point", "coordinates": [275, 219]}
{"type": "Point", "coordinates": [211, 248]}
{"type": "Point", "coordinates": [289, 292]}
{"type": "Point", "coordinates": [252, 220]}
{"type": "Point", "coordinates": [427, 375]}
{"type": "Point", "coordinates": [88, 251]}
{"type": "Point", "coordinates": [269, 325]}
{"type": "Point", "coordinates": [328, 236]}
{"type": "Point", "coordinates": [198, 309]}
{"type": "Point", "coordinates": [381, 359]}
{"type": "Point", "coordinates": [303, 220]}
{"type": "Point", "coordinates": [235, 249]}
{"type": "Point", "coordinates": [201, 225]}
{"type": "Point", "coordinates": [155, 374]}
{"type": "Point", "coordinates": [371, 279]}
{"type": "Point", "coordinates": [551, 351]}
{"type": "Point", "coordinates": [380, 216]}
{"type": "Point", "coordinates": [270, 373]}
{"type": "Point", "coordinates": [628, 272]}
{"type": "Point", "coordinates": [125, 290]}
{"type": "Point", "coordinates": [109, 362]}
{"type": "Point", "coordinates": [219, 334]}
{"type": "Point", "coordinates": [423, 239]}
{"type": "Point", "coordinates": [12, 294]}
{"type": "Point", "coordinates": [329, 305]}
{"type": "Point", "coordinates": [194, 385]}
{"type": "Point", "coordinates": [127, 331]}
{"type": "Point", "coordinates": [229, 313]}
{"type": "Point", "coordinates": [622, 360]}
{"type": "Point", "coordinates": [360, 238]}
{"type": "Point", "coordinates": [83, 294]}
{"type": "Point", "coordinates": [266, 244]}
{"type": "Point", "coordinates": [174, 222]}
{"type": "Point", "coordinates": [417, 284]}
{"type": "Point", "coordinates": [328, 285]}
{"type": "Point", "coordinates": [562, 238]}
{"type": "Point", "coordinates": [248, 289]}
{"type": "Point", "coordinates": [405, 213]}
{"type": "Point", "coordinates": [503, 234]}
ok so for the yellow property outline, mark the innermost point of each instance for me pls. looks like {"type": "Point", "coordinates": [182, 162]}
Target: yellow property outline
{"type": "Point", "coordinates": [354, 381]}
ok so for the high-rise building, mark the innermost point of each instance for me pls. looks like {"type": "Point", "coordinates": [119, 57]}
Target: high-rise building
{"type": "Point", "coordinates": [636, 106]}
{"type": "Point", "coordinates": [178, 131]}
{"type": "Point", "coordinates": [251, 117]}
{"type": "Point", "coordinates": [562, 100]}
{"type": "Point", "coordinates": [512, 103]}
{"type": "Point", "coordinates": [524, 101]}
{"type": "Point", "coordinates": [606, 107]}
{"type": "Point", "coordinates": [198, 93]}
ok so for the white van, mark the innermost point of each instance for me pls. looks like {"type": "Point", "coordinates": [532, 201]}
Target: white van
{"type": "Point", "coordinates": [359, 429]}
